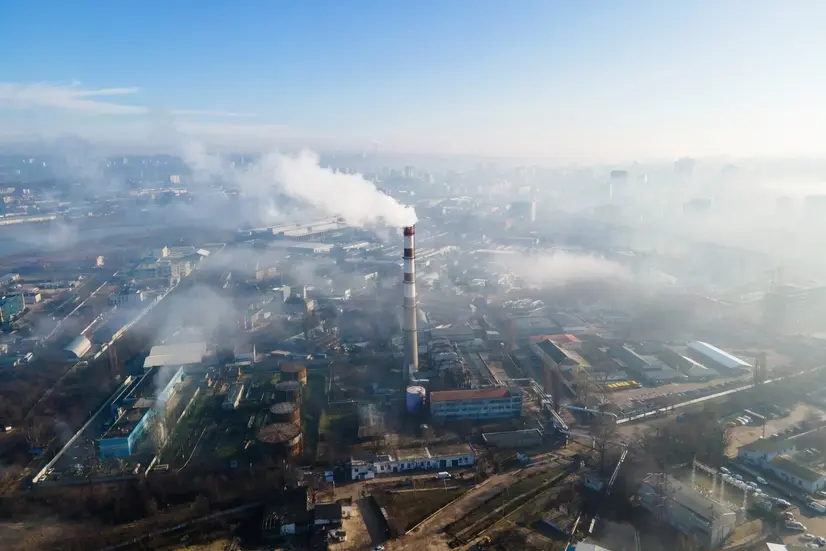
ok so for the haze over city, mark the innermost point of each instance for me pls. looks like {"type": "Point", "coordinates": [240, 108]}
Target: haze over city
{"type": "Point", "coordinates": [406, 276]}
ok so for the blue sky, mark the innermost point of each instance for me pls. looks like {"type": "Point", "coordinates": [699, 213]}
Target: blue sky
{"type": "Point", "coordinates": [598, 79]}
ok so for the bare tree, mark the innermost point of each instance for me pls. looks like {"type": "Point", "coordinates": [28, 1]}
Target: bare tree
{"type": "Point", "coordinates": [603, 430]}
{"type": "Point", "coordinates": [38, 431]}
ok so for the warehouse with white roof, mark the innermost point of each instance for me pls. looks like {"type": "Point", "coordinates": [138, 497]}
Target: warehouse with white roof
{"type": "Point", "coordinates": [717, 359]}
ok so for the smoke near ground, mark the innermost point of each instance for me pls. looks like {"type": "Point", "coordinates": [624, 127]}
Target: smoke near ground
{"type": "Point", "coordinates": [561, 268]}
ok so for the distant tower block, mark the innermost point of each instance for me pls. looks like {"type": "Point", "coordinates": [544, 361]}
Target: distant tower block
{"type": "Point", "coordinates": [411, 339]}
{"type": "Point", "coordinates": [293, 371]}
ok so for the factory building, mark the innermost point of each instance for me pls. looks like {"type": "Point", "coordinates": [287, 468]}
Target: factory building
{"type": "Point", "coordinates": [11, 306]}
{"type": "Point", "coordinates": [809, 478]}
{"type": "Point", "coordinates": [489, 403]}
{"type": "Point", "coordinates": [189, 355]}
{"type": "Point", "coordinates": [136, 410]}
{"type": "Point", "coordinates": [568, 362]}
{"type": "Point", "coordinates": [126, 296]}
{"type": "Point", "coordinates": [687, 510]}
{"type": "Point", "coordinates": [648, 368]}
{"type": "Point", "coordinates": [431, 458]}
{"type": "Point", "coordinates": [233, 397]}
{"type": "Point", "coordinates": [523, 328]}
{"type": "Point", "coordinates": [717, 359]}
{"type": "Point", "coordinates": [781, 457]}
{"type": "Point", "coordinates": [694, 370]}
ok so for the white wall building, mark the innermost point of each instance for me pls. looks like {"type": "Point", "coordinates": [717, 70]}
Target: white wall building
{"type": "Point", "coordinates": [488, 403]}
{"type": "Point", "coordinates": [441, 458]}
{"type": "Point", "coordinates": [761, 452]}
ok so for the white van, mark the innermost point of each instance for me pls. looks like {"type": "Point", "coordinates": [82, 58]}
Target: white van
{"type": "Point", "coordinates": [442, 475]}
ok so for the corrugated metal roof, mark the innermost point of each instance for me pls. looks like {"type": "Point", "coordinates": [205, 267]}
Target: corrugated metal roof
{"type": "Point", "coordinates": [720, 356]}
{"type": "Point", "coordinates": [175, 354]}
{"type": "Point", "coordinates": [478, 394]}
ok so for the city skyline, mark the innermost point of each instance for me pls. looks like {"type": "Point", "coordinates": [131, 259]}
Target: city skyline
{"type": "Point", "coordinates": [542, 80]}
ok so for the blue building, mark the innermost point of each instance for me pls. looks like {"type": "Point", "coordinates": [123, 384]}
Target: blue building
{"type": "Point", "coordinates": [135, 407]}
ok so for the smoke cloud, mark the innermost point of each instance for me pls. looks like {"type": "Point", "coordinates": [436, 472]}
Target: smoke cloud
{"type": "Point", "coordinates": [302, 179]}
{"type": "Point", "coordinates": [562, 268]}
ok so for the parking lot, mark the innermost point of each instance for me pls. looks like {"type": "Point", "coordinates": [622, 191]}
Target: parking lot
{"type": "Point", "coordinates": [743, 435]}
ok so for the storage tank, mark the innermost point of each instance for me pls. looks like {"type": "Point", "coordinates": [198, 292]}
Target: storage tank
{"type": "Point", "coordinates": [285, 412]}
{"type": "Point", "coordinates": [293, 371]}
{"type": "Point", "coordinates": [288, 391]}
{"type": "Point", "coordinates": [415, 398]}
{"type": "Point", "coordinates": [281, 439]}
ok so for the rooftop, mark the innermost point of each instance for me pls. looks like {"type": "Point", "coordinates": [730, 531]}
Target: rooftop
{"type": "Point", "coordinates": [553, 351]}
{"type": "Point", "coordinates": [175, 354]}
{"type": "Point", "coordinates": [788, 464]}
{"type": "Point", "coordinates": [478, 394]}
{"type": "Point", "coordinates": [766, 445]}
{"type": "Point", "coordinates": [685, 496]}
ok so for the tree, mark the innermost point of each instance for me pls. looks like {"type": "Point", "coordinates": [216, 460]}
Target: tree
{"type": "Point", "coordinates": [39, 431]}
{"type": "Point", "coordinates": [604, 431]}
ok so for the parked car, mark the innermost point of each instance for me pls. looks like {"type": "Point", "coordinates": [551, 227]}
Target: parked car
{"type": "Point", "coordinates": [795, 526]}
{"type": "Point", "coordinates": [807, 537]}
{"type": "Point", "coordinates": [787, 515]}
{"type": "Point", "coordinates": [725, 470]}
{"type": "Point", "coordinates": [820, 541]}
{"type": "Point", "coordinates": [739, 477]}
{"type": "Point", "coordinates": [761, 480]}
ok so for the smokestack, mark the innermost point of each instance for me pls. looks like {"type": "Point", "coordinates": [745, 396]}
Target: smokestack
{"type": "Point", "coordinates": [411, 345]}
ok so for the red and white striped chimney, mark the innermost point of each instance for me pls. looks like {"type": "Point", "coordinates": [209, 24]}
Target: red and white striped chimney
{"type": "Point", "coordinates": [411, 346]}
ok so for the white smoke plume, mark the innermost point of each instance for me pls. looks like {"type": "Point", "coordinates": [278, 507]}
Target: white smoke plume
{"type": "Point", "coordinates": [303, 179]}
{"type": "Point", "coordinates": [562, 268]}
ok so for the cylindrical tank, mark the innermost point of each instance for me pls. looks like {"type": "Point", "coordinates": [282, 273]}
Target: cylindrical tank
{"type": "Point", "coordinates": [293, 371]}
{"type": "Point", "coordinates": [285, 412]}
{"type": "Point", "coordinates": [288, 391]}
{"type": "Point", "coordinates": [284, 439]}
{"type": "Point", "coordinates": [415, 398]}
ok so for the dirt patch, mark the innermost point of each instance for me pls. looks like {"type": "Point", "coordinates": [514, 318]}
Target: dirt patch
{"type": "Point", "coordinates": [406, 509]}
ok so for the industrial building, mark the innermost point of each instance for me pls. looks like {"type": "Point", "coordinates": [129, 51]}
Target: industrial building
{"type": "Point", "coordinates": [692, 369]}
{"type": "Point", "coordinates": [719, 360]}
{"type": "Point", "coordinates": [647, 368]}
{"type": "Point", "coordinates": [687, 510]}
{"type": "Point", "coordinates": [488, 403]}
{"type": "Point", "coordinates": [441, 458]}
{"type": "Point", "coordinates": [524, 328]}
{"type": "Point", "coordinates": [126, 296]}
{"type": "Point", "coordinates": [810, 478]}
{"type": "Point", "coordinates": [233, 397]}
{"type": "Point", "coordinates": [11, 306]}
{"type": "Point", "coordinates": [136, 408]}
{"type": "Point", "coordinates": [798, 468]}
{"type": "Point", "coordinates": [182, 354]}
